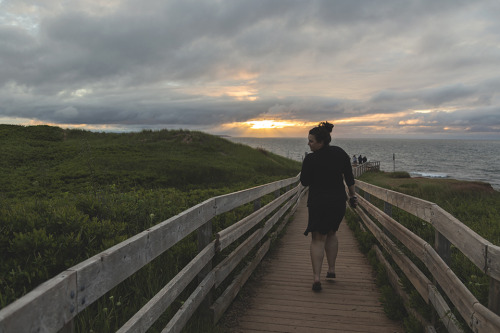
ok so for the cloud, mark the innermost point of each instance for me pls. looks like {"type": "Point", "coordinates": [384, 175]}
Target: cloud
{"type": "Point", "coordinates": [206, 63]}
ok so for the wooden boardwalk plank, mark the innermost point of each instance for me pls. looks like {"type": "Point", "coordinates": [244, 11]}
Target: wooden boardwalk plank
{"type": "Point", "coordinates": [281, 300]}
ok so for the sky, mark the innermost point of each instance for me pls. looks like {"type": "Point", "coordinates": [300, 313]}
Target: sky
{"type": "Point", "coordinates": [263, 68]}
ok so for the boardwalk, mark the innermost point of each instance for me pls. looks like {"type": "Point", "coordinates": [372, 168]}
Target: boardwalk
{"type": "Point", "coordinates": [281, 299]}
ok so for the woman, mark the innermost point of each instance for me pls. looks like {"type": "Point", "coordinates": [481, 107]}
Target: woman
{"type": "Point", "coordinates": [324, 171]}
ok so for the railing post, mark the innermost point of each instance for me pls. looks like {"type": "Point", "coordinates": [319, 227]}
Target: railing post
{"type": "Point", "coordinates": [388, 211]}
{"type": "Point", "coordinates": [442, 246]}
{"type": "Point", "coordinates": [494, 296]}
{"type": "Point", "coordinates": [204, 238]}
{"type": "Point", "coordinates": [257, 204]}
{"type": "Point", "coordinates": [68, 327]}
{"type": "Point", "coordinates": [388, 208]}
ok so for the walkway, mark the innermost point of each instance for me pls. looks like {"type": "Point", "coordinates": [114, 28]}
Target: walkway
{"type": "Point", "coordinates": [281, 300]}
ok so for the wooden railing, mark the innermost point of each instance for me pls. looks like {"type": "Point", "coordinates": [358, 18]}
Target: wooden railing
{"type": "Point", "coordinates": [52, 306]}
{"type": "Point", "coordinates": [359, 169]}
{"type": "Point", "coordinates": [449, 231]}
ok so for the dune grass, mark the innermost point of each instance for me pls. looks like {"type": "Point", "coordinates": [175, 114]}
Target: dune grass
{"type": "Point", "coordinates": [70, 194]}
{"type": "Point", "coordinates": [475, 204]}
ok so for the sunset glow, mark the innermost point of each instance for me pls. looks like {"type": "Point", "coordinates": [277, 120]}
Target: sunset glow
{"type": "Point", "coordinates": [268, 128]}
{"type": "Point", "coordinates": [267, 123]}
{"type": "Point", "coordinates": [264, 75]}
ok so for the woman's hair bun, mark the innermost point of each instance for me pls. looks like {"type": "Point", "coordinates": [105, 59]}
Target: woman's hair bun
{"type": "Point", "coordinates": [326, 125]}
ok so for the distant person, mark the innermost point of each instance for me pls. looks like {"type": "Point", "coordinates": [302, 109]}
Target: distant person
{"type": "Point", "coordinates": [324, 171]}
{"type": "Point", "coordinates": [360, 159]}
{"type": "Point", "coordinates": [354, 159]}
{"type": "Point", "coordinates": [364, 159]}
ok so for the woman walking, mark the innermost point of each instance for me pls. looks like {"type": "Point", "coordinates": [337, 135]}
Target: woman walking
{"type": "Point", "coordinates": [324, 171]}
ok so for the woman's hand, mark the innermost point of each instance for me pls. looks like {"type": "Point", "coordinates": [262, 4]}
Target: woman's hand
{"type": "Point", "coordinates": [353, 201]}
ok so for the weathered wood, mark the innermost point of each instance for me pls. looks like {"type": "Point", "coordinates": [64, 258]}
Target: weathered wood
{"type": "Point", "coordinates": [97, 275]}
{"type": "Point", "coordinates": [442, 246]}
{"type": "Point", "coordinates": [444, 311]}
{"type": "Point", "coordinates": [396, 284]}
{"type": "Point", "coordinates": [484, 320]}
{"type": "Point", "coordinates": [94, 277]}
{"type": "Point", "coordinates": [227, 265]}
{"type": "Point", "coordinates": [166, 234]}
{"type": "Point", "coordinates": [417, 278]}
{"type": "Point", "coordinates": [455, 290]}
{"type": "Point", "coordinates": [388, 208]}
{"type": "Point", "coordinates": [493, 261]}
{"type": "Point", "coordinates": [230, 234]}
{"type": "Point", "coordinates": [38, 311]}
{"type": "Point", "coordinates": [223, 302]}
{"type": "Point", "coordinates": [150, 312]}
{"type": "Point", "coordinates": [469, 243]}
{"type": "Point", "coordinates": [69, 327]}
{"type": "Point", "coordinates": [418, 207]}
{"type": "Point", "coordinates": [177, 323]}
{"type": "Point", "coordinates": [492, 269]}
{"type": "Point", "coordinates": [494, 296]}
{"type": "Point", "coordinates": [295, 203]}
{"type": "Point", "coordinates": [465, 239]}
{"type": "Point", "coordinates": [257, 204]}
{"type": "Point", "coordinates": [276, 216]}
{"type": "Point", "coordinates": [459, 295]}
{"type": "Point", "coordinates": [225, 203]}
{"type": "Point", "coordinates": [414, 243]}
{"type": "Point", "coordinates": [204, 238]}
{"type": "Point", "coordinates": [281, 299]}
{"type": "Point", "coordinates": [358, 170]}
{"type": "Point", "coordinates": [224, 268]}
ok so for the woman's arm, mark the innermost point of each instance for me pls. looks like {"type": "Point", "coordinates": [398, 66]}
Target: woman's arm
{"type": "Point", "coordinates": [352, 191]}
{"type": "Point", "coordinates": [305, 175]}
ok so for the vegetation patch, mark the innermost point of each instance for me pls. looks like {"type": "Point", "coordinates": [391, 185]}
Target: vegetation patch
{"type": "Point", "coordinates": [475, 204]}
{"type": "Point", "coordinates": [70, 194]}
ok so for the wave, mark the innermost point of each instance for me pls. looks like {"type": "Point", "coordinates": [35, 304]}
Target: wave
{"type": "Point", "coordinates": [429, 174]}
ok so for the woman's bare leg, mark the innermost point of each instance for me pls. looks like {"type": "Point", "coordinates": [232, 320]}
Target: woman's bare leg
{"type": "Point", "coordinates": [317, 253]}
{"type": "Point", "coordinates": [331, 249]}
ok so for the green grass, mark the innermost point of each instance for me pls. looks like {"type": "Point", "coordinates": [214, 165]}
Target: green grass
{"type": "Point", "coordinates": [70, 194]}
{"type": "Point", "coordinates": [475, 204]}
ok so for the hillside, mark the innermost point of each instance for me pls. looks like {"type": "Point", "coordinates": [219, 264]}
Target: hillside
{"type": "Point", "coordinates": [55, 160]}
{"type": "Point", "coordinates": [69, 194]}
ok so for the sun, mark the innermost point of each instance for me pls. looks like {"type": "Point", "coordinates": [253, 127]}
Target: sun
{"type": "Point", "coordinates": [267, 128]}
{"type": "Point", "coordinates": [268, 124]}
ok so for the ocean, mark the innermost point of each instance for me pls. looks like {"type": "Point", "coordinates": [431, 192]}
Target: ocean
{"type": "Point", "coordinates": [473, 160]}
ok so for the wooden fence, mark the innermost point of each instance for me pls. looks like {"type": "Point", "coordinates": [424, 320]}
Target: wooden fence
{"type": "Point", "coordinates": [449, 232]}
{"type": "Point", "coordinates": [358, 170]}
{"type": "Point", "coordinates": [52, 306]}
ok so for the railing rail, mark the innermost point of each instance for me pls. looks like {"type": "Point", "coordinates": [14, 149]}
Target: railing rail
{"type": "Point", "coordinates": [449, 230]}
{"type": "Point", "coordinates": [359, 169]}
{"type": "Point", "coordinates": [52, 306]}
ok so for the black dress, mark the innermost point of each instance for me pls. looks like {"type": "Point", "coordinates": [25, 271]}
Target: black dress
{"type": "Point", "coordinates": [324, 171]}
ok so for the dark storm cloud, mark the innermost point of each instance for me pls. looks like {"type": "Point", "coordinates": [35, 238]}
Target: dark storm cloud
{"type": "Point", "coordinates": [213, 62]}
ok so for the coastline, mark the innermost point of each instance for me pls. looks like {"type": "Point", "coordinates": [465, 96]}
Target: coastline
{"type": "Point", "coordinates": [466, 160]}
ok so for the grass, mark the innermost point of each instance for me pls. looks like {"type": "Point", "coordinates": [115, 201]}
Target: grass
{"type": "Point", "coordinates": [475, 204]}
{"type": "Point", "coordinates": [70, 194]}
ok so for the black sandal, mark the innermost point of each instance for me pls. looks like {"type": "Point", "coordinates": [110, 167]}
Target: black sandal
{"type": "Point", "coordinates": [330, 275]}
{"type": "Point", "coordinates": [316, 286]}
